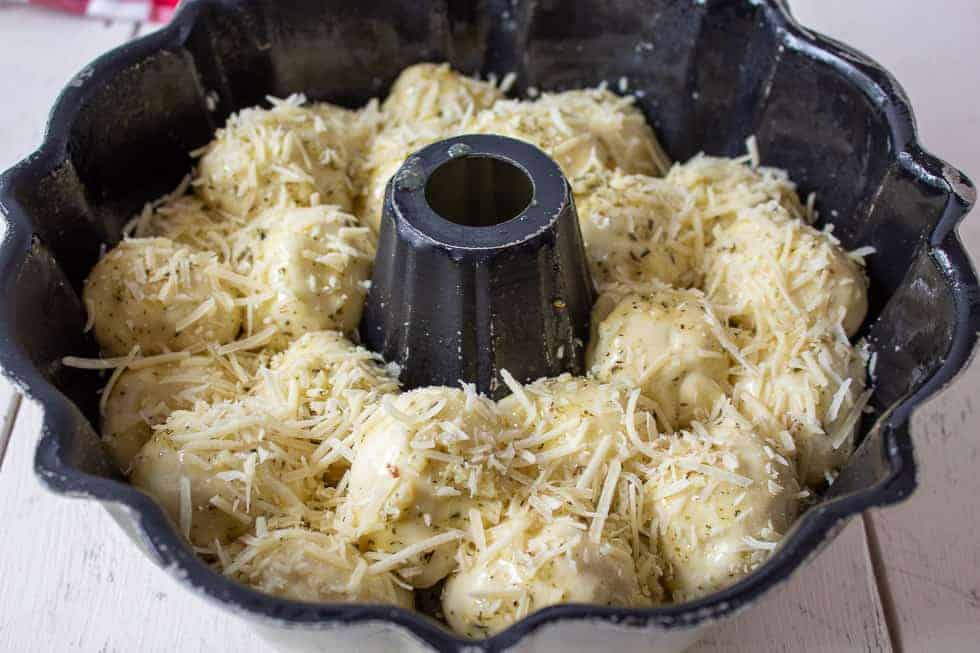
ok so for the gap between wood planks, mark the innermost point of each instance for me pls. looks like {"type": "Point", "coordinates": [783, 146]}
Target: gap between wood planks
{"type": "Point", "coordinates": [11, 410]}
{"type": "Point", "coordinates": [881, 583]}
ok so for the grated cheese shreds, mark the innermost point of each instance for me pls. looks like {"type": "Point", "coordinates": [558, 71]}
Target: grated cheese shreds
{"type": "Point", "coordinates": [186, 509]}
{"type": "Point", "coordinates": [114, 378]}
{"type": "Point", "coordinates": [206, 307]}
{"type": "Point", "coordinates": [132, 361]}
{"type": "Point", "coordinates": [252, 342]}
{"type": "Point", "coordinates": [861, 252]}
{"type": "Point", "coordinates": [161, 295]}
{"type": "Point", "coordinates": [838, 400]}
{"type": "Point", "coordinates": [598, 456]}
{"type": "Point", "coordinates": [719, 474]}
{"type": "Point", "coordinates": [759, 544]}
{"type": "Point", "coordinates": [518, 391]}
{"type": "Point", "coordinates": [845, 430]}
{"type": "Point", "coordinates": [392, 561]}
{"type": "Point", "coordinates": [722, 389]}
{"type": "Point", "coordinates": [605, 500]}
{"type": "Point", "coordinates": [476, 527]}
{"type": "Point", "coordinates": [724, 339]}
{"type": "Point", "coordinates": [89, 315]}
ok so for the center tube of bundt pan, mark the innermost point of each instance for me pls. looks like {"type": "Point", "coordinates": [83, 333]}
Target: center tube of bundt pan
{"type": "Point", "coordinates": [480, 268]}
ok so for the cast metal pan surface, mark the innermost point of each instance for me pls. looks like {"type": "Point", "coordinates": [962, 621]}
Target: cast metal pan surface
{"type": "Point", "coordinates": [708, 74]}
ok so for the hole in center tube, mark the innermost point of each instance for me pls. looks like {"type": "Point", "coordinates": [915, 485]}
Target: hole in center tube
{"type": "Point", "coordinates": [478, 191]}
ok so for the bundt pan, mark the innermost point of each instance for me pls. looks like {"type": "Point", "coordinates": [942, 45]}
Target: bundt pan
{"type": "Point", "coordinates": [707, 74]}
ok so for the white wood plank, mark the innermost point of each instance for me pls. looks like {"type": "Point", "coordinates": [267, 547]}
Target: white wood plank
{"type": "Point", "coordinates": [935, 73]}
{"type": "Point", "coordinates": [72, 581]}
{"type": "Point", "coordinates": [9, 408]}
{"type": "Point", "coordinates": [40, 50]}
{"type": "Point", "coordinates": [930, 551]}
{"type": "Point", "coordinates": [929, 548]}
{"type": "Point", "coordinates": [831, 605]}
{"type": "Point", "coordinates": [147, 27]}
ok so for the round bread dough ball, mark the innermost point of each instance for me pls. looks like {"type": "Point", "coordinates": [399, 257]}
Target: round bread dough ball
{"type": "Point", "coordinates": [335, 382]}
{"type": "Point", "coordinates": [570, 412]}
{"type": "Point", "coordinates": [627, 225]}
{"type": "Point", "coordinates": [325, 363]}
{"type": "Point", "coordinates": [543, 564]}
{"type": "Point", "coordinates": [288, 154]}
{"type": "Point", "coordinates": [587, 132]}
{"type": "Point", "coordinates": [709, 183]}
{"type": "Point", "coordinates": [427, 103]}
{"type": "Point", "coordinates": [186, 220]}
{"type": "Point", "coordinates": [409, 482]}
{"type": "Point", "coordinates": [570, 424]}
{"type": "Point", "coordinates": [316, 263]}
{"type": "Point", "coordinates": [422, 570]}
{"type": "Point", "coordinates": [662, 343]}
{"type": "Point", "coordinates": [809, 407]}
{"type": "Point", "coordinates": [576, 428]}
{"type": "Point", "coordinates": [772, 270]}
{"type": "Point", "coordinates": [353, 129]}
{"type": "Point", "coordinates": [428, 91]}
{"type": "Point", "coordinates": [717, 527]}
{"type": "Point", "coordinates": [389, 150]}
{"type": "Point", "coordinates": [319, 570]}
{"type": "Point", "coordinates": [160, 470]}
{"type": "Point", "coordinates": [161, 296]}
{"type": "Point", "coordinates": [143, 398]}
{"type": "Point", "coordinates": [391, 478]}
{"type": "Point", "coordinates": [241, 458]}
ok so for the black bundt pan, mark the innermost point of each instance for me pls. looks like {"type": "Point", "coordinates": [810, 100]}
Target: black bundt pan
{"type": "Point", "coordinates": [709, 74]}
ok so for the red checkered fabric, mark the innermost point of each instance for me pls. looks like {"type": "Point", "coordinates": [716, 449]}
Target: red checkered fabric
{"type": "Point", "coordinates": [135, 10]}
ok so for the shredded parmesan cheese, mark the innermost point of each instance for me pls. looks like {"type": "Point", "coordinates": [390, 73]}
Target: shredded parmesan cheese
{"type": "Point", "coordinates": [392, 561]}
{"type": "Point", "coordinates": [605, 500]}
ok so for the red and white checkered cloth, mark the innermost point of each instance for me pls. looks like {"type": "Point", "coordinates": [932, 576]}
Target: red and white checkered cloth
{"type": "Point", "coordinates": [134, 10]}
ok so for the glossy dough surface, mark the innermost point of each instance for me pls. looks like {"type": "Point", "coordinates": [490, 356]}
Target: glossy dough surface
{"type": "Point", "coordinates": [723, 389]}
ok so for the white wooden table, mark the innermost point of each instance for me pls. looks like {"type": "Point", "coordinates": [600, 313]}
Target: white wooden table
{"type": "Point", "coordinates": [902, 579]}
